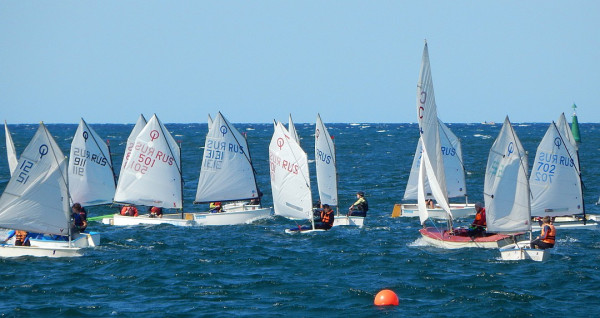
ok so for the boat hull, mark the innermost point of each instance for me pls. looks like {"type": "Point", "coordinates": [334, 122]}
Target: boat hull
{"type": "Point", "coordinates": [242, 216]}
{"type": "Point", "coordinates": [570, 222]}
{"type": "Point", "coordinates": [444, 239]}
{"type": "Point", "coordinates": [80, 240]}
{"type": "Point", "coordinates": [349, 221]}
{"type": "Point", "coordinates": [522, 251]}
{"type": "Point", "coordinates": [458, 211]}
{"type": "Point", "coordinates": [303, 230]}
{"type": "Point", "coordinates": [21, 251]}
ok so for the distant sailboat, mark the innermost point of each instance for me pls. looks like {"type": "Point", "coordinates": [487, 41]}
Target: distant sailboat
{"type": "Point", "coordinates": [151, 177]}
{"type": "Point", "coordinates": [227, 175]}
{"type": "Point", "coordinates": [432, 169]}
{"type": "Point", "coordinates": [451, 152]}
{"type": "Point", "coordinates": [507, 195]}
{"type": "Point", "coordinates": [292, 130]}
{"type": "Point", "coordinates": [91, 175]}
{"type": "Point", "coordinates": [11, 153]}
{"type": "Point", "coordinates": [290, 181]}
{"type": "Point", "coordinates": [36, 199]}
{"type": "Point", "coordinates": [326, 167]}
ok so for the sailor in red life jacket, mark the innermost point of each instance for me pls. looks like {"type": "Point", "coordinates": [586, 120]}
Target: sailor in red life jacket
{"type": "Point", "coordinates": [548, 236]}
{"type": "Point", "coordinates": [129, 210]}
{"type": "Point", "coordinates": [326, 220]}
{"type": "Point", "coordinates": [478, 226]}
{"type": "Point", "coordinates": [155, 212]}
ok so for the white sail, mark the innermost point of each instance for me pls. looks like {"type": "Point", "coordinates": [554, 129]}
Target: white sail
{"type": "Point", "coordinates": [326, 164]}
{"type": "Point", "coordinates": [506, 187]}
{"type": "Point", "coordinates": [290, 182]}
{"type": "Point", "coordinates": [11, 153]}
{"type": "Point", "coordinates": [210, 121]}
{"type": "Point", "coordinates": [430, 135]}
{"type": "Point", "coordinates": [227, 173]}
{"type": "Point", "coordinates": [91, 176]}
{"type": "Point", "coordinates": [139, 125]}
{"type": "Point", "coordinates": [555, 183]}
{"type": "Point", "coordinates": [292, 130]}
{"type": "Point", "coordinates": [453, 167]}
{"type": "Point", "coordinates": [152, 175]}
{"type": "Point", "coordinates": [36, 198]}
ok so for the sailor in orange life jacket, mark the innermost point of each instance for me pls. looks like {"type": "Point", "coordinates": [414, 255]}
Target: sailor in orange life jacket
{"type": "Point", "coordinates": [547, 237]}
{"type": "Point", "coordinates": [129, 210]}
{"type": "Point", "coordinates": [478, 226]}
{"type": "Point", "coordinates": [326, 220]}
{"type": "Point", "coordinates": [155, 212]}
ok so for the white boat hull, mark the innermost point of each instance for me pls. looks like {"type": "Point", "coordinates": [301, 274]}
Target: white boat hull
{"type": "Point", "coordinates": [231, 217]}
{"type": "Point", "coordinates": [349, 221]}
{"type": "Point", "coordinates": [20, 251]}
{"type": "Point", "coordinates": [80, 240]}
{"type": "Point", "coordinates": [458, 211]}
{"type": "Point", "coordinates": [570, 222]}
{"type": "Point", "coordinates": [522, 250]}
{"type": "Point", "coordinates": [194, 219]}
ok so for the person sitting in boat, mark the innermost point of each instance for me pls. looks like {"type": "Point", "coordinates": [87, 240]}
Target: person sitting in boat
{"type": "Point", "coordinates": [360, 207]}
{"type": "Point", "coordinates": [21, 237]}
{"type": "Point", "coordinates": [478, 226]}
{"type": "Point", "coordinates": [430, 204]}
{"type": "Point", "coordinates": [129, 210]}
{"type": "Point", "coordinates": [548, 236]}
{"type": "Point", "coordinates": [155, 212]}
{"type": "Point", "coordinates": [215, 207]}
{"type": "Point", "coordinates": [79, 216]}
{"type": "Point", "coordinates": [326, 218]}
{"type": "Point", "coordinates": [256, 201]}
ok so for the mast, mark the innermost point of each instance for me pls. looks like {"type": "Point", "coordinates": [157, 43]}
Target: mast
{"type": "Point", "coordinates": [577, 137]}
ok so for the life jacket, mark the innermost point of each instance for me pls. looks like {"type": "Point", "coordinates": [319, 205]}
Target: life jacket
{"type": "Point", "coordinates": [129, 211]}
{"type": "Point", "coordinates": [549, 237]}
{"type": "Point", "coordinates": [480, 218]}
{"type": "Point", "coordinates": [362, 205]}
{"type": "Point", "coordinates": [156, 210]}
{"type": "Point", "coordinates": [327, 217]}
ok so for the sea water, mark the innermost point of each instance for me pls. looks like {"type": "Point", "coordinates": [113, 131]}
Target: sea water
{"type": "Point", "coordinates": [258, 270]}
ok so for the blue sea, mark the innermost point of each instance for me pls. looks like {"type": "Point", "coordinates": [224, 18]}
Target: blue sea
{"type": "Point", "coordinates": [258, 270]}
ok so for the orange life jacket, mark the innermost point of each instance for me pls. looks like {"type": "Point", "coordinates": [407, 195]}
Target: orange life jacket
{"type": "Point", "coordinates": [129, 211]}
{"type": "Point", "coordinates": [327, 217]}
{"type": "Point", "coordinates": [480, 218]}
{"type": "Point", "coordinates": [549, 237]}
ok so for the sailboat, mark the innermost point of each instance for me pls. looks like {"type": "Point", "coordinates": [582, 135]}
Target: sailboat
{"type": "Point", "coordinates": [432, 169]}
{"type": "Point", "coordinates": [151, 177]}
{"type": "Point", "coordinates": [451, 152]}
{"type": "Point", "coordinates": [507, 194]}
{"type": "Point", "coordinates": [326, 167]}
{"type": "Point", "coordinates": [11, 153]}
{"type": "Point", "coordinates": [36, 199]}
{"type": "Point", "coordinates": [91, 175]}
{"type": "Point", "coordinates": [290, 181]}
{"type": "Point", "coordinates": [227, 175]}
{"type": "Point", "coordinates": [555, 180]}
{"type": "Point", "coordinates": [292, 130]}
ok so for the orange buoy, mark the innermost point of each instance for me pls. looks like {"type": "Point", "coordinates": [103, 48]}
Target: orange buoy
{"type": "Point", "coordinates": [386, 297]}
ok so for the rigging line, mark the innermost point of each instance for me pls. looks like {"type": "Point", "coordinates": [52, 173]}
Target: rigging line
{"type": "Point", "coordinates": [521, 161]}
{"type": "Point", "coordinates": [58, 162]}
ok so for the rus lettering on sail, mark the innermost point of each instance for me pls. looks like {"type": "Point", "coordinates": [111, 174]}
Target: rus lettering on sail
{"type": "Point", "coordinates": [323, 156]}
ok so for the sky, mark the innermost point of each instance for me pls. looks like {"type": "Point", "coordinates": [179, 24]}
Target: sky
{"type": "Point", "coordinates": [256, 61]}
